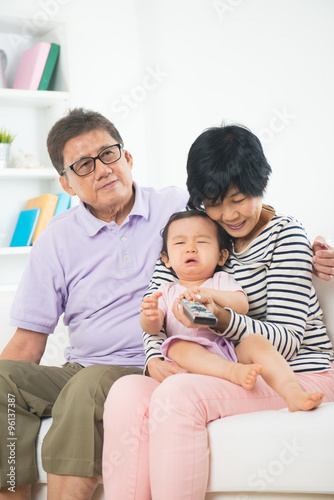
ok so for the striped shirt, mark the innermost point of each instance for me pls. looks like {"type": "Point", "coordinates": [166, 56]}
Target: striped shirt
{"type": "Point", "coordinates": [275, 270]}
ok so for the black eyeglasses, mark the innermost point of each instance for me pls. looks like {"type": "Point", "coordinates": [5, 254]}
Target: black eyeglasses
{"type": "Point", "coordinates": [86, 166]}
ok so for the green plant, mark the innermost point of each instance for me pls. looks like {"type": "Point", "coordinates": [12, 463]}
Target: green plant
{"type": "Point", "coordinates": [6, 136]}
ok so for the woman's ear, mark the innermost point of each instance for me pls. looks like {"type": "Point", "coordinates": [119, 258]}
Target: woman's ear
{"type": "Point", "coordinates": [223, 257]}
{"type": "Point", "coordinates": [165, 259]}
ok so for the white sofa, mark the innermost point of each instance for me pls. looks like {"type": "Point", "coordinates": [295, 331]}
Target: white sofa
{"type": "Point", "coordinates": [266, 455]}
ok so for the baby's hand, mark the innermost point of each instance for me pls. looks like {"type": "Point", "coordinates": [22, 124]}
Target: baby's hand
{"type": "Point", "coordinates": [149, 306]}
{"type": "Point", "coordinates": [197, 294]}
{"type": "Point", "coordinates": [191, 293]}
{"type": "Point", "coordinates": [202, 295]}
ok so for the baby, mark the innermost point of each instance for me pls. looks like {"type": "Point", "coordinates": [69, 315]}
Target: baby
{"type": "Point", "coordinates": [195, 247]}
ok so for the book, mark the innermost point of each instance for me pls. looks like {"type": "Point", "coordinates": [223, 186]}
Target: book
{"type": "Point", "coordinates": [31, 66]}
{"type": "Point", "coordinates": [49, 67]}
{"type": "Point", "coordinates": [3, 64]}
{"type": "Point", "coordinates": [25, 228]}
{"type": "Point", "coordinates": [64, 201]}
{"type": "Point", "coordinates": [47, 203]}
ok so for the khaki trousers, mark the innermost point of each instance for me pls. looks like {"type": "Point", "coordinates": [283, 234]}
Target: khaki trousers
{"type": "Point", "coordinates": [74, 396]}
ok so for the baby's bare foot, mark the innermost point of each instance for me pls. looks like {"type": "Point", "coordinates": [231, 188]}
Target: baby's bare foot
{"type": "Point", "coordinates": [244, 375]}
{"type": "Point", "coordinates": [305, 401]}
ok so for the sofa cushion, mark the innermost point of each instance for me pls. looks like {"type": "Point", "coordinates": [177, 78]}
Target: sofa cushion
{"type": "Point", "coordinates": [274, 451]}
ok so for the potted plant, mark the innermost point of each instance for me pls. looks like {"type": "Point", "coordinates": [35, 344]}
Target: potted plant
{"type": "Point", "coordinates": [6, 138]}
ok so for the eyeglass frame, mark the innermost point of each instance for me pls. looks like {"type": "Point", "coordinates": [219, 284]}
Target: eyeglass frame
{"type": "Point", "coordinates": [71, 167]}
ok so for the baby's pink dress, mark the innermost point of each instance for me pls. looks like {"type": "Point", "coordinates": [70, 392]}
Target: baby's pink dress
{"type": "Point", "coordinates": [202, 335]}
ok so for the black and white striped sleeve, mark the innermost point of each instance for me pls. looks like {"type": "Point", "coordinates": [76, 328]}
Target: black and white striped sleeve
{"type": "Point", "coordinates": [152, 343]}
{"type": "Point", "coordinates": [288, 288]}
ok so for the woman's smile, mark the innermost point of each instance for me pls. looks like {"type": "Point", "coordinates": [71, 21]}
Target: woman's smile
{"type": "Point", "coordinates": [235, 227]}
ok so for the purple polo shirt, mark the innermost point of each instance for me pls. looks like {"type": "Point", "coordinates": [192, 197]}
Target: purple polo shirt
{"type": "Point", "coordinates": [96, 273]}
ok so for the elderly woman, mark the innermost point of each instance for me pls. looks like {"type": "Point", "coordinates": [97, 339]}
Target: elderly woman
{"type": "Point", "coordinates": [156, 443]}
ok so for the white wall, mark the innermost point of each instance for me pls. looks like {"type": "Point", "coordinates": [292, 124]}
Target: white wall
{"type": "Point", "coordinates": [163, 70]}
{"type": "Point", "coordinates": [265, 63]}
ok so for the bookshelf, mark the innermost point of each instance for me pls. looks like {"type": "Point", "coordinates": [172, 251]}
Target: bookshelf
{"type": "Point", "coordinates": [30, 115]}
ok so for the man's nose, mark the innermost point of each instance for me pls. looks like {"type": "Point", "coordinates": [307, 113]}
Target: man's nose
{"type": "Point", "coordinates": [101, 169]}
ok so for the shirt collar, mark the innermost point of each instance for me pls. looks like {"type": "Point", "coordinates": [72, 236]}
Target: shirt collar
{"type": "Point", "coordinates": [92, 225]}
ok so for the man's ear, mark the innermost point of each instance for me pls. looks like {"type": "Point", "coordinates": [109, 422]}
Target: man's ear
{"type": "Point", "coordinates": [165, 259]}
{"type": "Point", "coordinates": [66, 186]}
{"type": "Point", "coordinates": [223, 257]}
{"type": "Point", "coordinates": [128, 158]}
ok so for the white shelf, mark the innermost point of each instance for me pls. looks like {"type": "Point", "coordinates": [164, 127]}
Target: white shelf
{"type": "Point", "coordinates": [32, 98]}
{"type": "Point", "coordinates": [14, 251]}
{"type": "Point", "coordinates": [29, 114]}
{"type": "Point", "coordinates": [8, 288]}
{"type": "Point", "coordinates": [28, 173]}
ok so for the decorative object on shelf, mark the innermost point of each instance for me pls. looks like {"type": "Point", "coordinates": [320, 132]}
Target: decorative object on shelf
{"type": "Point", "coordinates": [6, 139]}
{"type": "Point", "coordinates": [26, 160]}
{"type": "Point", "coordinates": [3, 64]}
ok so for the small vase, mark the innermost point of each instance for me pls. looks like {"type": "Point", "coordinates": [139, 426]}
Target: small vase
{"type": "Point", "coordinates": [4, 154]}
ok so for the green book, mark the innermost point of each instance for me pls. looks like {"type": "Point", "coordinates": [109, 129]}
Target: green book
{"type": "Point", "coordinates": [49, 67]}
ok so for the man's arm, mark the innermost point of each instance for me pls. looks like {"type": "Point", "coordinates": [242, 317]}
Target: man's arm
{"type": "Point", "coordinates": [323, 259]}
{"type": "Point", "coordinates": [25, 345]}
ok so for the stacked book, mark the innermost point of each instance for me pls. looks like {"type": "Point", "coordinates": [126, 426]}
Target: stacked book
{"type": "Point", "coordinates": [37, 213]}
{"type": "Point", "coordinates": [36, 67]}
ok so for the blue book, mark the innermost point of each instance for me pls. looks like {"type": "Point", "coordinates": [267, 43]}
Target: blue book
{"type": "Point", "coordinates": [64, 201]}
{"type": "Point", "coordinates": [25, 228]}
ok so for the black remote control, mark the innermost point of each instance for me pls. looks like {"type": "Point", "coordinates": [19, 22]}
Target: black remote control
{"type": "Point", "coordinates": [198, 313]}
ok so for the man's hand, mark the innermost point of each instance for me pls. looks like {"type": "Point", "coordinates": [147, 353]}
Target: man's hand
{"type": "Point", "coordinates": [323, 260]}
{"type": "Point", "coordinates": [160, 369]}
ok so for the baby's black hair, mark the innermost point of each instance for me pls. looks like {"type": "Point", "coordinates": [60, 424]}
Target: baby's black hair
{"type": "Point", "coordinates": [224, 239]}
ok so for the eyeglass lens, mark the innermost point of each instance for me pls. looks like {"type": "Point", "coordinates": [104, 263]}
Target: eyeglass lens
{"type": "Point", "coordinates": [107, 156]}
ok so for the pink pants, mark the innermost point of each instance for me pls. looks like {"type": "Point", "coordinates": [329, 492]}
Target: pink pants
{"type": "Point", "coordinates": [156, 441]}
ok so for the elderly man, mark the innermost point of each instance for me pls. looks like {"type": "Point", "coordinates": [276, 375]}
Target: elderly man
{"type": "Point", "coordinates": [92, 263]}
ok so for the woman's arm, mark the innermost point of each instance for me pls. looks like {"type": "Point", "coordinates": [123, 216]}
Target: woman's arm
{"type": "Point", "coordinates": [287, 292]}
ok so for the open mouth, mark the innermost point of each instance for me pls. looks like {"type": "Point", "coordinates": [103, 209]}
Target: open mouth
{"type": "Point", "coordinates": [191, 261]}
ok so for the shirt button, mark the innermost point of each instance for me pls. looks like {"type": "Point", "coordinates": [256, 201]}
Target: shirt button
{"type": "Point", "coordinates": [123, 238]}
{"type": "Point", "coordinates": [125, 257]}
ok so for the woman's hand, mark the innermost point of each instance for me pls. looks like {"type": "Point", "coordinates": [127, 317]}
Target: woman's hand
{"type": "Point", "coordinates": [323, 260]}
{"type": "Point", "coordinates": [159, 369]}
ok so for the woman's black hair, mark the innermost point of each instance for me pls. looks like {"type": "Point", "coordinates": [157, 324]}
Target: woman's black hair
{"type": "Point", "coordinates": [225, 156]}
{"type": "Point", "coordinates": [224, 239]}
